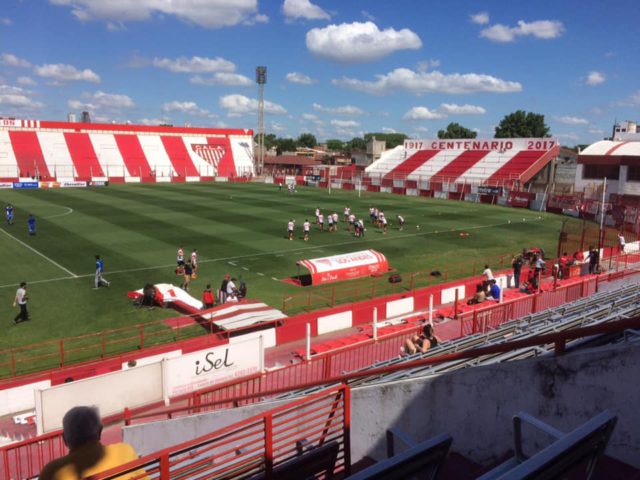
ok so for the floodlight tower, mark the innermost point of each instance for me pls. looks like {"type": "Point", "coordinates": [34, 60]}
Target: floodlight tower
{"type": "Point", "coordinates": [261, 80]}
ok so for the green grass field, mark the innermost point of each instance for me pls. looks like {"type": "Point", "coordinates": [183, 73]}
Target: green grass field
{"type": "Point", "coordinates": [137, 229]}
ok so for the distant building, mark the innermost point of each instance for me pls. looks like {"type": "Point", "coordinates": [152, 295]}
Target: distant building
{"type": "Point", "coordinates": [617, 160]}
{"type": "Point", "coordinates": [625, 130]}
{"type": "Point", "coordinates": [559, 173]}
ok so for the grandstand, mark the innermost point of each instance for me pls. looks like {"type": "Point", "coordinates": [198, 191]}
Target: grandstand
{"type": "Point", "coordinates": [477, 161]}
{"type": "Point", "coordinates": [88, 152]}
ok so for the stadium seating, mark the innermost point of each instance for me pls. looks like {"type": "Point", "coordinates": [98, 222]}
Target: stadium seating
{"type": "Point", "coordinates": [492, 167]}
{"type": "Point", "coordinates": [598, 308]}
{"type": "Point", "coordinates": [577, 452]}
{"type": "Point", "coordinates": [421, 460]}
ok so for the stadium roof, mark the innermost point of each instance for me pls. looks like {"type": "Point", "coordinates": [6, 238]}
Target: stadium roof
{"type": "Point", "coordinates": [611, 153]}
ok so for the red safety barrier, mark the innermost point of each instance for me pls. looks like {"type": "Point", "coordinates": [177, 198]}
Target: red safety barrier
{"type": "Point", "coordinates": [25, 459]}
{"type": "Point", "coordinates": [258, 444]}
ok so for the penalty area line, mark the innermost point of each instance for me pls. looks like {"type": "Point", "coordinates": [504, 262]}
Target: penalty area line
{"type": "Point", "coordinates": [50, 260]}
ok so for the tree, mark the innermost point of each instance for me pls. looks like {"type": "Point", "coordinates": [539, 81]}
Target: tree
{"type": "Point", "coordinates": [285, 145]}
{"type": "Point", "coordinates": [335, 145]}
{"type": "Point", "coordinates": [307, 140]}
{"type": "Point", "coordinates": [455, 130]}
{"type": "Point", "coordinates": [392, 140]}
{"type": "Point", "coordinates": [521, 124]}
{"type": "Point", "coordinates": [356, 143]}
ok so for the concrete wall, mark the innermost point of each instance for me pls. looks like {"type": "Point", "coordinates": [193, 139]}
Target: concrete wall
{"type": "Point", "coordinates": [474, 405]}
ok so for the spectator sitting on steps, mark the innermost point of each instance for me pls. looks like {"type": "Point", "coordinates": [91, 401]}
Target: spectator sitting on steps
{"type": "Point", "coordinates": [479, 296]}
{"type": "Point", "coordinates": [423, 342]}
{"type": "Point", "coordinates": [87, 456]}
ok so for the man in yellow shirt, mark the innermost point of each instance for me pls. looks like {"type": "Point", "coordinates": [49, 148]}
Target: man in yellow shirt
{"type": "Point", "coordinates": [87, 456]}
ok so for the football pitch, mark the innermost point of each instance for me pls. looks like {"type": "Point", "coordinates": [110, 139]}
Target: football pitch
{"type": "Point", "coordinates": [238, 229]}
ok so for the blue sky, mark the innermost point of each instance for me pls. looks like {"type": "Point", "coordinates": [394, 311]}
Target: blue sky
{"type": "Point", "coordinates": [337, 69]}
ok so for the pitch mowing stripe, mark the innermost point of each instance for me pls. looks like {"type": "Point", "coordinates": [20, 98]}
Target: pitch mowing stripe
{"type": "Point", "coordinates": [262, 254]}
{"type": "Point", "coordinates": [39, 253]}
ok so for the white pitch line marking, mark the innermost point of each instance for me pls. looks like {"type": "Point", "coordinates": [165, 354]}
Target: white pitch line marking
{"type": "Point", "coordinates": [252, 255]}
{"type": "Point", "coordinates": [260, 274]}
{"type": "Point", "coordinates": [245, 268]}
{"type": "Point", "coordinates": [68, 212]}
{"type": "Point", "coordinates": [233, 263]}
{"type": "Point", "coordinates": [274, 278]}
{"type": "Point", "coordinates": [39, 253]}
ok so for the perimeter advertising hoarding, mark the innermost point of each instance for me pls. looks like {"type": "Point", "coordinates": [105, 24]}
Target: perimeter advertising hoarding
{"type": "Point", "coordinates": [22, 185]}
{"type": "Point", "coordinates": [205, 368]}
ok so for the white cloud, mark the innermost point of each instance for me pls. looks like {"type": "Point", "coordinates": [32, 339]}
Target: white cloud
{"type": "Point", "coordinates": [116, 26]}
{"type": "Point", "coordinates": [226, 79]}
{"type": "Point", "coordinates": [16, 98]}
{"type": "Point", "coordinates": [194, 64]}
{"type": "Point", "coordinates": [310, 117]}
{"type": "Point", "coordinates": [632, 101]}
{"type": "Point", "coordinates": [10, 60]}
{"type": "Point", "coordinates": [62, 73]}
{"type": "Point", "coordinates": [359, 42]}
{"type": "Point", "coordinates": [368, 16]}
{"type": "Point", "coordinates": [595, 131]}
{"type": "Point", "coordinates": [480, 18]}
{"type": "Point", "coordinates": [389, 130]}
{"type": "Point", "coordinates": [209, 14]}
{"type": "Point", "coordinates": [345, 123]}
{"type": "Point", "coordinates": [26, 81]}
{"type": "Point", "coordinates": [154, 121]}
{"type": "Point", "coordinates": [5, 21]}
{"type": "Point", "coordinates": [544, 29]}
{"type": "Point", "coordinates": [466, 109]}
{"type": "Point", "coordinates": [595, 78]}
{"type": "Point", "coordinates": [301, 78]}
{"type": "Point", "coordinates": [238, 105]}
{"type": "Point", "coordinates": [422, 113]}
{"type": "Point", "coordinates": [294, 9]}
{"type": "Point", "coordinates": [190, 108]}
{"type": "Point", "coordinates": [406, 80]}
{"type": "Point", "coordinates": [425, 65]}
{"type": "Point", "coordinates": [343, 110]}
{"type": "Point", "coordinates": [278, 128]}
{"type": "Point", "coordinates": [101, 100]}
{"type": "Point", "coordinates": [573, 137]}
{"type": "Point", "coordinates": [567, 120]}
{"type": "Point", "coordinates": [259, 18]}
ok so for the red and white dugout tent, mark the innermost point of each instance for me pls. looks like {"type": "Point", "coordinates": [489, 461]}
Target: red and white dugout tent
{"type": "Point", "coordinates": [345, 266]}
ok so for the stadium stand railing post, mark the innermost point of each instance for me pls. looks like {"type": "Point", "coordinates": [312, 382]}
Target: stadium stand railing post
{"type": "Point", "coordinates": [268, 446]}
{"type": "Point", "coordinates": [62, 352]}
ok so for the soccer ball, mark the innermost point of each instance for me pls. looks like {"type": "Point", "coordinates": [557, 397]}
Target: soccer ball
{"type": "Point", "coordinates": [417, 227]}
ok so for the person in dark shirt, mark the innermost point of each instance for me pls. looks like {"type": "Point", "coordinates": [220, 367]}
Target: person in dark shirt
{"type": "Point", "coordinates": [222, 293]}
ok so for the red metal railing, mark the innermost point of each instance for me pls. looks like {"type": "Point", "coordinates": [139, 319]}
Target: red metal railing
{"type": "Point", "coordinates": [13, 455]}
{"type": "Point", "coordinates": [25, 459]}
{"type": "Point", "coordinates": [483, 319]}
{"type": "Point", "coordinates": [258, 444]}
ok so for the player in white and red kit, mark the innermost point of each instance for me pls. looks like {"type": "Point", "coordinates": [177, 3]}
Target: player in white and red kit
{"type": "Point", "coordinates": [305, 228]}
{"type": "Point", "coordinates": [290, 226]}
{"type": "Point", "coordinates": [180, 260]}
{"type": "Point", "coordinates": [321, 221]}
{"type": "Point", "coordinates": [194, 263]}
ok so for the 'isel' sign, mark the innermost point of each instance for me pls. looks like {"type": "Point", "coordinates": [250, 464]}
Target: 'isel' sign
{"type": "Point", "coordinates": [212, 366]}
